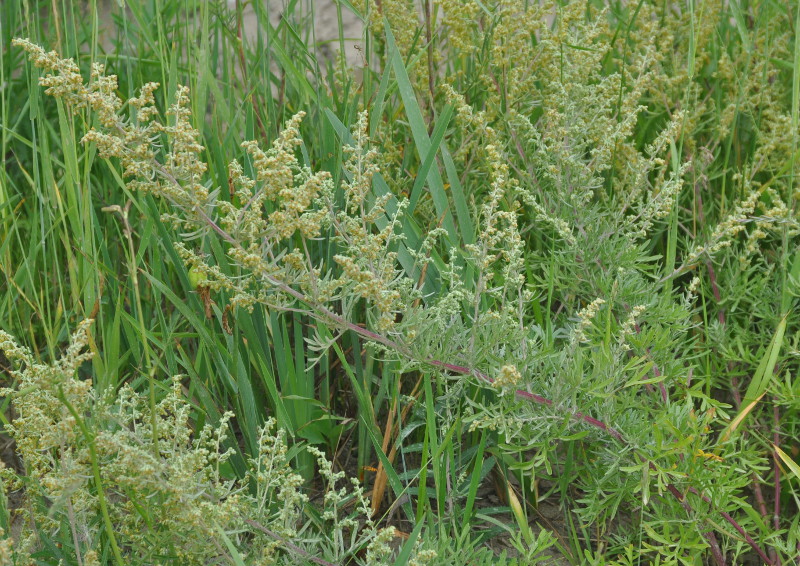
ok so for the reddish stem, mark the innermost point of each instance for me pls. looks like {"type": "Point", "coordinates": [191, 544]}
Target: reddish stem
{"type": "Point", "coordinates": [657, 373]}
{"type": "Point", "coordinates": [400, 348]}
{"type": "Point", "coordinates": [710, 537]}
{"type": "Point", "coordinates": [712, 278]}
{"type": "Point", "coordinates": [737, 526]}
{"type": "Point", "coordinates": [716, 552]}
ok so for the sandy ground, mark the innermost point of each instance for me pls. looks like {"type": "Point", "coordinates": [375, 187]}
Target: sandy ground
{"type": "Point", "coordinates": [326, 26]}
{"type": "Point", "coordinates": [323, 12]}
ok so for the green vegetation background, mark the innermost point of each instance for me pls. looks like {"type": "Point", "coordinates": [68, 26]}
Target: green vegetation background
{"type": "Point", "coordinates": [587, 303]}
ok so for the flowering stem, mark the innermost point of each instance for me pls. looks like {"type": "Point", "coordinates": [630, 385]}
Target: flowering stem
{"type": "Point", "coordinates": [325, 313]}
{"type": "Point", "coordinates": [98, 482]}
{"type": "Point", "coordinates": [294, 548]}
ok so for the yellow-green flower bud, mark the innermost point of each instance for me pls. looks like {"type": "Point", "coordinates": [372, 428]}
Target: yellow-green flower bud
{"type": "Point", "coordinates": [195, 277]}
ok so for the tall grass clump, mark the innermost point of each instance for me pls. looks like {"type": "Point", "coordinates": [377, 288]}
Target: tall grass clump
{"type": "Point", "coordinates": [528, 275]}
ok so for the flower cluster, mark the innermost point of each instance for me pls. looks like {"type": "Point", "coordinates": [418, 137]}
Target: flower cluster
{"type": "Point", "coordinates": [88, 458]}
